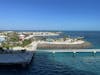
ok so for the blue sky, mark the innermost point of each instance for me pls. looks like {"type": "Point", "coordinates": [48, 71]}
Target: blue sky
{"type": "Point", "coordinates": [50, 14]}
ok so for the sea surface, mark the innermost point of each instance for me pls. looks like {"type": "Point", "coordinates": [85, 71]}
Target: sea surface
{"type": "Point", "coordinates": [91, 36]}
{"type": "Point", "coordinates": [46, 63]}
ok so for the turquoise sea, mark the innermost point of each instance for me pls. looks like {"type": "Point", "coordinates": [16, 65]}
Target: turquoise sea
{"type": "Point", "coordinates": [46, 63]}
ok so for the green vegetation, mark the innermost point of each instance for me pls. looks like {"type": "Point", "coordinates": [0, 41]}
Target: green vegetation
{"type": "Point", "coordinates": [14, 37]}
{"type": "Point", "coordinates": [26, 42]}
{"type": "Point", "coordinates": [6, 45]}
{"type": "Point", "coordinates": [44, 39]}
{"type": "Point", "coordinates": [64, 38]}
{"type": "Point", "coordinates": [13, 41]}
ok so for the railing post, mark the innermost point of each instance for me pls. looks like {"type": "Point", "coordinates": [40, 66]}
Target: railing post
{"type": "Point", "coordinates": [53, 52]}
{"type": "Point", "coordinates": [94, 53]}
{"type": "Point", "coordinates": [74, 53]}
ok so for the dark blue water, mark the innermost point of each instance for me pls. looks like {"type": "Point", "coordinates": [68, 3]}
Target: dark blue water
{"type": "Point", "coordinates": [45, 63]}
{"type": "Point", "coordinates": [90, 36]}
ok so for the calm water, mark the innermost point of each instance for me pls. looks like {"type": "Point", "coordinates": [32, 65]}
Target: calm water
{"type": "Point", "coordinates": [91, 36]}
{"type": "Point", "coordinates": [45, 63]}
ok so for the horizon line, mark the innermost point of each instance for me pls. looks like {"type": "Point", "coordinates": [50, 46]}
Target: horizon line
{"type": "Point", "coordinates": [44, 30]}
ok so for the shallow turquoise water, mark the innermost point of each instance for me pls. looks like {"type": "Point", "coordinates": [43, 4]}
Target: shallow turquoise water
{"type": "Point", "coordinates": [82, 61]}
{"type": "Point", "coordinates": [66, 64]}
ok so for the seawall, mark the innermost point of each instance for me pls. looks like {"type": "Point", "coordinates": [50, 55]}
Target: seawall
{"type": "Point", "coordinates": [64, 46]}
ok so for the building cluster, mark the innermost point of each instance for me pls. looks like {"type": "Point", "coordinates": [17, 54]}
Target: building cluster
{"type": "Point", "coordinates": [15, 38]}
{"type": "Point", "coordinates": [28, 35]}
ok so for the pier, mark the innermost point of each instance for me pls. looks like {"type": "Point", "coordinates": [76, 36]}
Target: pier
{"type": "Point", "coordinates": [72, 50]}
{"type": "Point", "coordinates": [22, 58]}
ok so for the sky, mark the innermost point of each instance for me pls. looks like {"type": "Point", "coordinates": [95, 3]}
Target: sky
{"type": "Point", "coordinates": [50, 15]}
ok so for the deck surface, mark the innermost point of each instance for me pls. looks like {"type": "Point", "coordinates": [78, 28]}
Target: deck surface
{"type": "Point", "coordinates": [72, 50]}
{"type": "Point", "coordinates": [17, 58]}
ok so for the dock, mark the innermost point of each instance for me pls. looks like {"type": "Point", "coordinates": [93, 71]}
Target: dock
{"type": "Point", "coordinates": [22, 58]}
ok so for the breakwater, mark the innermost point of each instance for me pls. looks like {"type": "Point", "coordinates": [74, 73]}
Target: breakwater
{"type": "Point", "coordinates": [64, 46]}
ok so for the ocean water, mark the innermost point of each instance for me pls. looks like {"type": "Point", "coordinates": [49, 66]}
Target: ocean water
{"type": "Point", "coordinates": [91, 36]}
{"type": "Point", "coordinates": [47, 63]}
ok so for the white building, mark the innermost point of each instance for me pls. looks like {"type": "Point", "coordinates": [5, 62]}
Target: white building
{"type": "Point", "coordinates": [2, 38]}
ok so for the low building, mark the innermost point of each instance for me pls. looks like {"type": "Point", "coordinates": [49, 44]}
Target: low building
{"type": "Point", "coordinates": [21, 37]}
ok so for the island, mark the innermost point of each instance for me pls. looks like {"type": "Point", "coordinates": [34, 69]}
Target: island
{"type": "Point", "coordinates": [40, 40]}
